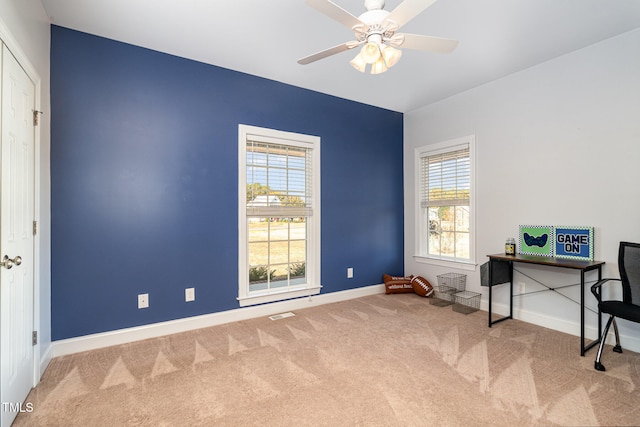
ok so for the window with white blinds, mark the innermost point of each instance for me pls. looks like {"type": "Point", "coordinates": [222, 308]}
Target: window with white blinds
{"type": "Point", "coordinates": [279, 215]}
{"type": "Point", "coordinates": [279, 179]}
{"type": "Point", "coordinates": [446, 179]}
{"type": "Point", "coordinates": [445, 211]}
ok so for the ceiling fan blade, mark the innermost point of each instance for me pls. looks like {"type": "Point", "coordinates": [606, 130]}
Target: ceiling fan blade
{"type": "Point", "coordinates": [328, 52]}
{"type": "Point", "coordinates": [407, 10]}
{"type": "Point", "coordinates": [335, 12]}
{"type": "Point", "coordinates": [430, 43]}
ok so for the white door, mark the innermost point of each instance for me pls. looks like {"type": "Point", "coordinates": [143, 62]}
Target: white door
{"type": "Point", "coordinates": [16, 236]}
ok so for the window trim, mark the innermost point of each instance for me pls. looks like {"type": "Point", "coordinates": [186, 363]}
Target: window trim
{"type": "Point", "coordinates": [312, 286]}
{"type": "Point", "coordinates": [420, 252]}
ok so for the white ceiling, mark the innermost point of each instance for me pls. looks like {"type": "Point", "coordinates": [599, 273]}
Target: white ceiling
{"type": "Point", "coordinates": [266, 38]}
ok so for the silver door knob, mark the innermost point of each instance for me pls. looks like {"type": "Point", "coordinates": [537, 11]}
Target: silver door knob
{"type": "Point", "coordinates": [8, 262]}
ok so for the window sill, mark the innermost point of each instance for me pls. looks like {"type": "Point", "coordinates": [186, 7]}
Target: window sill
{"type": "Point", "coordinates": [263, 298]}
{"type": "Point", "coordinates": [460, 265]}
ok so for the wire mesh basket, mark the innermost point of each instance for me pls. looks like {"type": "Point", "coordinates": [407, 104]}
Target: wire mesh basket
{"type": "Point", "coordinates": [466, 302]}
{"type": "Point", "coordinates": [453, 280]}
{"type": "Point", "coordinates": [442, 296]}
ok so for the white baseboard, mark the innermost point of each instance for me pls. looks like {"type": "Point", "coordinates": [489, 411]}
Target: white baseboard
{"type": "Point", "coordinates": [123, 336]}
{"type": "Point", "coordinates": [45, 359]}
{"type": "Point", "coordinates": [629, 342]}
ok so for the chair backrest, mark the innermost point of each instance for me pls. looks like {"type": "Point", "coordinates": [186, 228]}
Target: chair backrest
{"type": "Point", "coordinates": [629, 264]}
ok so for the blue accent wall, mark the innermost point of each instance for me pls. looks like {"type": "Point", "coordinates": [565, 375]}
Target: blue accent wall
{"type": "Point", "coordinates": [144, 164]}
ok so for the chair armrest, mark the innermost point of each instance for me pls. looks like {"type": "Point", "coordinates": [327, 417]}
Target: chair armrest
{"type": "Point", "coordinates": [595, 288]}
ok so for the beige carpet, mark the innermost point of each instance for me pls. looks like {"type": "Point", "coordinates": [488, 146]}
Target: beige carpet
{"type": "Point", "coordinates": [383, 360]}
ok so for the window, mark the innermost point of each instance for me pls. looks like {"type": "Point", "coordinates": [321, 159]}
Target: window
{"type": "Point", "coordinates": [279, 215]}
{"type": "Point", "coordinates": [445, 193]}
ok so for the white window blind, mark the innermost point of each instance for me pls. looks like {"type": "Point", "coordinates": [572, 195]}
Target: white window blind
{"type": "Point", "coordinates": [445, 179]}
{"type": "Point", "coordinates": [279, 179]}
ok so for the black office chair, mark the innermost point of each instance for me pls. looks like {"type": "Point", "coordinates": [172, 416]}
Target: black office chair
{"type": "Point", "coordinates": [629, 307]}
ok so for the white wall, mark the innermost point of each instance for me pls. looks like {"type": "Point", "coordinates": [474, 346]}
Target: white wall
{"type": "Point", "coordinates": [556, 144]}
{"type": "Point", "coordinates": [28, 29]}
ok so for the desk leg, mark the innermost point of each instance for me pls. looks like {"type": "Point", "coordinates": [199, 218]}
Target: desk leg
{"type": "Point", "coordinates": [599, 312]}
{"type": "Point", "coordinates": [582, 349]}
{"type": "Point", "coordinates": [510, 316]}
{"type": "Point", "coordinates": [490, 290]}
{"type": "Point", "coordinates": [510, 289]}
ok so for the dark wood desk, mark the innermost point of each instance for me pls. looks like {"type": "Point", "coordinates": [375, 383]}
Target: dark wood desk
{"type": "Point", "coordinates": [582, 266]}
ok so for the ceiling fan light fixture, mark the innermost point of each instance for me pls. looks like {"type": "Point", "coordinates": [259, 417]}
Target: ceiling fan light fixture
{"type": "Point", "coordinates": [370, 52]}
{"type": "Point", "coordinates": [376, 32]}
{"type": "Point", "coordinates": [378, 67]}
{"type": "Point", "coordinates": [358, 63]}
{"type": "Point", "coordinates": [391, 56]}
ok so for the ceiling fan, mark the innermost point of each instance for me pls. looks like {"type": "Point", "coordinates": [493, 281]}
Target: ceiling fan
{"type": "Point", "coordinates": [375, 30]}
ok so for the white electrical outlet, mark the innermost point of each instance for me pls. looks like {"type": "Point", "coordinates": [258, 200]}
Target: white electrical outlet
{"type": "Point", "coordinates": [350, 273]}
{"type": "Point", "coordinates": [143, 300]}
{"type": "Point", "coordinates": [522, 288]}
{"type": "Point", "coordinates": [190, 294]}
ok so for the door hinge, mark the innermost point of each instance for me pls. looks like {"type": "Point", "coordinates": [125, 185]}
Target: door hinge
{"type": "Point", "coordinates": [34, 338]}
{"type": "Point", "coordinates": [35, 227]}
{"type": "Point", "coordinates": [35, 117]}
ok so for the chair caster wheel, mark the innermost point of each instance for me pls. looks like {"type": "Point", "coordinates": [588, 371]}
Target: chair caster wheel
{"type": "Point", "coordinates": [617, 349]}
{"type": "Point", "coordinates": [599, 366]}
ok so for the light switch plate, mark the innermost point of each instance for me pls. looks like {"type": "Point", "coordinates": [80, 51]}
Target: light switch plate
{"type": "Point", "coordinates": [190, 294]}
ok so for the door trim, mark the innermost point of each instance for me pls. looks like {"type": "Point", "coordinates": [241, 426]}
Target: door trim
{"type": "Point", "coordinates": [41, 359]}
